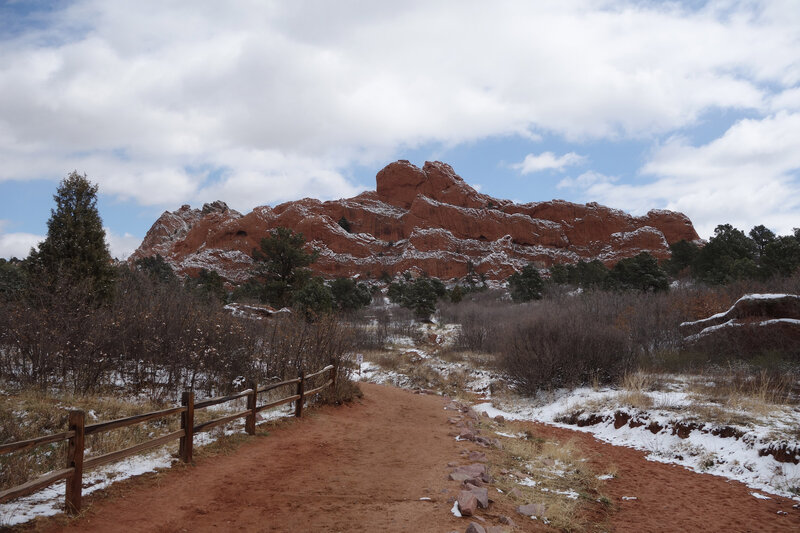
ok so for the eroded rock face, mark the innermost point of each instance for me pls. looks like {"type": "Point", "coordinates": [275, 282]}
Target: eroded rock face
{"type": "Point", "coordinates": [425, 219]}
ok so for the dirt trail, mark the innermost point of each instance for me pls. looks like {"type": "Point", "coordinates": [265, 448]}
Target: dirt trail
{"type": "Point", "coordinates": [362, 467]}
{"type": "Point", "coordinates": [365, 467]}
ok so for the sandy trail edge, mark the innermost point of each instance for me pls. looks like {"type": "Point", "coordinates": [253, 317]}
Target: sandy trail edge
{"type": "Point", "coordinates": [363, 467]}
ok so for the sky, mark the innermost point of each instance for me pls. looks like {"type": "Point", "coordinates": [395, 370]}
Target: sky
{"type": "Point", "coordinates": [691, 106]}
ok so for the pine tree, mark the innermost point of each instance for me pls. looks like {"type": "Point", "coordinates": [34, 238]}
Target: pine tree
{"type": "Point", "coordinates": [281, 262]}
{"type": "Point", "coordinates": [526, 285]}
{"type": "Point", "coordinates": [75, 250]}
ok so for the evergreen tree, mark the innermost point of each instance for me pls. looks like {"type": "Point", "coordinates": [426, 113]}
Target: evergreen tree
{"type": "Point", "coordinates": [419, 295]}
{"type": "Point", "coordinates": [683, 255]}
{"type": "Point", "coordinates": [761, 236]}
{"type": "Point", "coordinates": [281, 262]}
{"type": "Point", "coordinates": [590, 275]}
{"type": "Point", "coordinates": [12, 278]}
{"type": "Point", "coordinates": [729, 255]}
{"type": "Point", "coordinates": [345, 224]}
{"type": "Point", "coordinates": [559, 274]}
{"type": "Point", "coordinates": [314, 299]}
{"type": "Point", "coordinates": [640, 273]}
{"type": "Point", "coordinates": [157, 268]}
{"type": "Point", "coordinates": [75, 250]}
{"type": "Point", "coordinates": [456, 294]}
{"type": "Point", "coordinates": [782, 256]}
{"type": "Point", "coordinates": [526, 285]}
{"type": "Point", "coordinates": [349, 295]}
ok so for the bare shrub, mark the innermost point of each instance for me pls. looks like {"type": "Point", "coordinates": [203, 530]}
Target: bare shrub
{"type": "Point", "coordinates": [370, 328]}
{"type": "Point", "coordinates": [154, 339]}
{"type": "Point", "coordinates": [557, 347]}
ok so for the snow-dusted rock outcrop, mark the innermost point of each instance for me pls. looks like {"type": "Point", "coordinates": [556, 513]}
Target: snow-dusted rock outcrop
{"type": "Point", "coordinates": [756, 323]}
{"type": "Point", "coordinates": [428, 219]}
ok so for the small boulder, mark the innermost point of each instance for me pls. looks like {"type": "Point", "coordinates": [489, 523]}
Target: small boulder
{"type": "Point", "coordinates": [507, 521]}
{"type": "Point", "coordinates": [474, 469]}
{"type": "Point", "coordinates": [474, 528]}
{"type": "Point", "coordinates": [467, 434]}
{"type": "Point", "coordinates": [481, 493]}
{"type": "Point", "coordinates": [499, 418]}
{"type": "Point", "coordinates": [477, 457]}
{"type": "Point", "coordinates": [467, 503]}
{"type": "Point", "coordinates": [459, 476]}
{"type": "Point", "coordinates": [532, 509]}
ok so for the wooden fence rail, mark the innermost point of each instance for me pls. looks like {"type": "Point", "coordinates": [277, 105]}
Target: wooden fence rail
{"type": "Point", "coordinates": [78, 430]}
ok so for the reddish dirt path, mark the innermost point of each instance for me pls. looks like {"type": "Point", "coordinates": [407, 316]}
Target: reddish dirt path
{"type": "Point", "coordinates": [672, 498]}
{"type": "Point", "coordinates": [364, 467]}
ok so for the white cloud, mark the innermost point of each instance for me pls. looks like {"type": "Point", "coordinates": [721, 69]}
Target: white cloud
{"type": "Point", "coordinates": [121, 246]}
{"type": "Point", "coordinates": [586, 180]}
{"type": "Point", "coordinates": [748, 176]}
{"type": "Point", "coordinates": [16, 244]}
{"type": "Point", "coordinates": [283, 96]}
{"type": "Point", "coordinates": [548, 161]}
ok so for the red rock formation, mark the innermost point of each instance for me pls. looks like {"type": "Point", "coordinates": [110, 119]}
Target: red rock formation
{"type": "Point", "coordinates": [426, 219]}
{"type": "Point", "coordinates": [756, 323]}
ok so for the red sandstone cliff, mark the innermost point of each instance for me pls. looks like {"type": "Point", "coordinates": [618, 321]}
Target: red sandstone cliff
{"type": "Point", "coordinates": [427, 219]}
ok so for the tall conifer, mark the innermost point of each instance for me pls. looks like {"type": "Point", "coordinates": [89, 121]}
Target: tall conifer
{"type": "Point", "coordinates": [75, 250]}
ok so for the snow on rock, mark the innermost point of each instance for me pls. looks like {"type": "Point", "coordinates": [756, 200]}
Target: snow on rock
{"type": "Point", "coordinates": [750, 306]}
{"type": "Point", "coordinates": [427, 218]}
{"type": "Point", "coordinates": [756, 322]}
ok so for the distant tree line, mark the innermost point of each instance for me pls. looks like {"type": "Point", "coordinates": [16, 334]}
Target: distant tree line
{"type": "Point", "coordinates": [732, 255]}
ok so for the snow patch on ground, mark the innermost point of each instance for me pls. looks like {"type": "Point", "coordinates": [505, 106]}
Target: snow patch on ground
{"type": "Point", "coordinates": [733, 458]}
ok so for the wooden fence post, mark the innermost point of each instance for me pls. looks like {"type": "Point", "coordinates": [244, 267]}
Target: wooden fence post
{"type": "Point", "coordinates": [77, 423]}
{"type": "Point", "coordinates": [334, 371]}
{"type": "Point", "coordinates": [187, 425]}
{"type": "Point", "coordinates": [252, 401]}
{"type": "Point", "coordinates": [301, 389]}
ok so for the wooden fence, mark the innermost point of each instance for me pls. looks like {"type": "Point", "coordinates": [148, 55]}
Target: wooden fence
{"type": "Point", "coordinates": [75, 464]}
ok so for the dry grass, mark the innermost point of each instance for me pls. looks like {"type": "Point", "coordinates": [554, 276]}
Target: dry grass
{"type": "Point", "coordinates": [758, 393]}
{"type": "Point", "coordinates": [635, 386]}
{"type": "Point", "coordinates": [557, 468]}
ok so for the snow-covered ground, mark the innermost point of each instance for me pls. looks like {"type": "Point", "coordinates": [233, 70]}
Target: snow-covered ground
{"type": "Point", "coordinates": [701, 450]}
